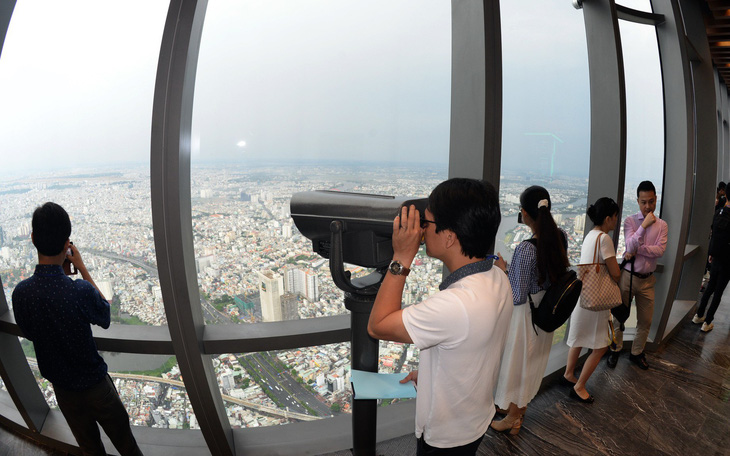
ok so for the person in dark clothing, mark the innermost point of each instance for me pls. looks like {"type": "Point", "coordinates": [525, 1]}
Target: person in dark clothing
{"type": "Point", "coordinates": [720, 197]}
{"type": "Point", "coordinates": [719, 268]}
{"type": "Point", "coordinates": [56, 312]}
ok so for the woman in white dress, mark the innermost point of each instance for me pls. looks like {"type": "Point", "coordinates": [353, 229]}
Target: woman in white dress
{"type": "Point", "coordinates": [535, 263]}
{"type": "Point", "coordinates": [588, 328]}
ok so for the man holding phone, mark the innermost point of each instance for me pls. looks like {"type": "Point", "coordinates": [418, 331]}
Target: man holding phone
{"type": "Point", "coordinates": [56, 314]}
{"type": "Point", "coordinates": [646, 241]}
{"type": "Point", "coordinates": [461, 329]}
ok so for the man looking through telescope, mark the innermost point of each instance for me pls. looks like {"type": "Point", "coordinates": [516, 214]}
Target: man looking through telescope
{"type": "Point", "coordinates": [461, 329]}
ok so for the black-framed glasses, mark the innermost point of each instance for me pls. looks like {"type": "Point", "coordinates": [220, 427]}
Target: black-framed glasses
{"type": "Point", "coordinates": [425, 222]}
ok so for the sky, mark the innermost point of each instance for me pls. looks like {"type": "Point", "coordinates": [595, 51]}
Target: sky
{"type": "Point", "coordinates": [291, 80]}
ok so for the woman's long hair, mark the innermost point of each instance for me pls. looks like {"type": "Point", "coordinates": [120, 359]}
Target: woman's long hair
{"type": "Point", "coordinates": [552, 258]}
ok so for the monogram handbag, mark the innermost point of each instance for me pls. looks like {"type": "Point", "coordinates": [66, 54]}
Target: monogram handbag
{"type": "Point", "coordinates": [599, 291]}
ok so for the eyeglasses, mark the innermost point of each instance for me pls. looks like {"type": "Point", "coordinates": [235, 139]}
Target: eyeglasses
{"type": "Point", "coordinates": [425, 222]}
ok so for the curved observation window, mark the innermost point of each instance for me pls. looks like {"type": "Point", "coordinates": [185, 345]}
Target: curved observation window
{"type": "Point", "coordinates": [546, 119]}
{"type": "Point", "coordinates": [644, 115]}
{"type": "Point", "coordinates": [295, 96]}
{"type": "Point", "coordinates": [75, 120]}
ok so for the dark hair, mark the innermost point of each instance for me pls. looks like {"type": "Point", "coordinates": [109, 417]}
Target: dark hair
{"type": "Point", "coordinates": [51, 229]}
{"type": "Point", "coordinates": [469, 208]}
{"type": "Point", "coordinates": [552, 258]}
{"type": "Point", "coordinates": [604, 207]}
{"type": "Point", "coordinates": [721, 186]}
{"type": "Point", "coordinates": [645, 186]}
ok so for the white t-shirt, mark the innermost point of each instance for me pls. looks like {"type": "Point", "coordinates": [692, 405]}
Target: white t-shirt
{"type": "Point", "coordinates": [605, 247]}
{"type": "Point", "coordinates": [460, 332]}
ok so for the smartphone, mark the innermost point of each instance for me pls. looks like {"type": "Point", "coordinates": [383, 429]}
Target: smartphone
{"type": "Point", "coordinates": [68, 267]}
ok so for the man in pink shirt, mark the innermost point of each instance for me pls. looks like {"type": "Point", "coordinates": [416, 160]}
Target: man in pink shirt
{"type": "Point", "coordinates": [646, 239]}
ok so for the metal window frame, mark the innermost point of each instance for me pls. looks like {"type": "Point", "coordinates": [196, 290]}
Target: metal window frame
{"type": "Point", "coordinates": [475, 151]}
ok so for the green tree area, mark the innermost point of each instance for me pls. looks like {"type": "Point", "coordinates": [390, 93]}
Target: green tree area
{"type": "Point", "coordinates": [28, 348]}
{"type": "Point", "coordinates": [116, 314]}
{"type": "Point", "coordinates": [335, 407]}
{"type": "Point", "coordinates": [172, 361]}
{"type": "Point", "coordinates": [300, 258]}
{"type": "Point", "coordinates": [221, 303]}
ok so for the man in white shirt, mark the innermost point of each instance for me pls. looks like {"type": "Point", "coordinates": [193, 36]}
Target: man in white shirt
{"type": "Point", "coordinates": [461, 329]}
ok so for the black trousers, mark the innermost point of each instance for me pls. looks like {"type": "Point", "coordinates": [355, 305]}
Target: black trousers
{"type": "Point", "coordinates": [719, 277]}
{"type": "Point", "coordinates": [99, 404]}
{"type": "Point", "coordinates": [424, 449]}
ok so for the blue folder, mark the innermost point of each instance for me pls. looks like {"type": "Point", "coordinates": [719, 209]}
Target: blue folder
{"type": "Point", "coordinates": [371, 385]}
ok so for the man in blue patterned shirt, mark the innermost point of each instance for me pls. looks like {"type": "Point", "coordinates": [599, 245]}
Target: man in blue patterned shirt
{"type": "Point", "coordinates": [56, 313]}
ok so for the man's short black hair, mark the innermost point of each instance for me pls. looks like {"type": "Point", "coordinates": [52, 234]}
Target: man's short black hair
{"type": "Point", "coordinates": [469, 208]}
{"type": "Point", "coordinates": [51, 229]}
{"type": "Point", "coordinates": [645, 186]}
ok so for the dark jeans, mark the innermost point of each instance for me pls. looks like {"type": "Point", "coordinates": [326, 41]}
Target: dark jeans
{"type": "Point", "coordinates": [470, 449]}
{"type": "Point", "coordinates": [719, 277]}
{"type": "Point", "coordinates": [100, 403]}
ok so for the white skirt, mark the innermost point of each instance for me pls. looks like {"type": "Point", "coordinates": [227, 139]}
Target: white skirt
{"type": "Point", "coordinates": [524, 358]}
{"type": "Point", "coordinates": [589, 329]}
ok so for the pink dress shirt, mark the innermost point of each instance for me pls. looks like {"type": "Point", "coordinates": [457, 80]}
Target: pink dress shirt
{"type": "Point", "coordinates": [647, 244]}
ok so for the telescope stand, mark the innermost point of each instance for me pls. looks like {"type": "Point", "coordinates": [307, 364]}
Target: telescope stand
{"type": "Point", "coordinates": [364, 356]}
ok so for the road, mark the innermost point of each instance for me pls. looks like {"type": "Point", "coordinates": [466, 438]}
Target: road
{"type": "Point", "coordinates": [286, 389]}
{"type": "Point", "coordinates": [251, 405]}
{"type": "Point", "coordinates": [210, 313]}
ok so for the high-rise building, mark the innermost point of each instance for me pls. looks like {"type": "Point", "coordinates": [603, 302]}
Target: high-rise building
{"type": "Point", "coordinates": [579, 223]}
{"type": "Point", "coordinates": [286, 231]}
{"type": "Point", "coordinates": [227, 381]}
{"type": "Point", "coordinates": [2, 236]}
{"type": "Point", "coordinates": [289, 306]}
{"type": "Point", "coordinates": [304, 282]}
{"type": "Point", "coordinates": [271, 287]}
{"type": "Point", "coordinates": [107, 288]}
{"type": "Point", "coordinates": [203, 262]}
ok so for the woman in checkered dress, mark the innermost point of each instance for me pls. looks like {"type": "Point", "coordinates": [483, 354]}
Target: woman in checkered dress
{"type": "Point", "coordinates": [535, 263]}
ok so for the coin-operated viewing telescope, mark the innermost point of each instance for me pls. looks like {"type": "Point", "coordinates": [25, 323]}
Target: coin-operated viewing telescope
{"type": "Point", "coordinates": [356, 228]}
{"type": "Point", "coordinates": [366, 223]}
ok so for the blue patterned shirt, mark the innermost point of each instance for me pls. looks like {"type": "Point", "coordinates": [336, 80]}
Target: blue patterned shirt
{"type": "Point", "coordinates": [466, 271]}
{"type": "Point", "coordinates": [56, 313]}
{"type": "Point", "coordinates": [523, 273]}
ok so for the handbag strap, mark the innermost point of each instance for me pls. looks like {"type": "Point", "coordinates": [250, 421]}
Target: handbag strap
{"type": "Point", "coordinates": [595, 253]}
{"type": "Point", "coordinates": [532, 310]}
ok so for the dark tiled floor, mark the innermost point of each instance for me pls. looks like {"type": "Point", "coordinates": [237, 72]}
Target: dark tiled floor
{"type": "Point", "coordinates": [12, 445]}
{"type": "Point", "coordinates": [681, 406]}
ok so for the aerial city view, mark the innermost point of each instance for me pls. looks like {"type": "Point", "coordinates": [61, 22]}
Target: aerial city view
{"type": "Point", "coordinates": [253, 266]}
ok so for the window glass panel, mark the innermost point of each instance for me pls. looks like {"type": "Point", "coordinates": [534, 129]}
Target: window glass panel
{"type": "Point", "coordinates": [644, 115]}
{"type": "Point", "coordinates": [75, 120]}
{"type": "Point", "coordinates": [296, 96]}
{"type": "Point", "coordinates": [644, 120]}
{"type": "Point", "coordinates": [152, 390]}
{"type": "Point", "coordinates": [546, 118]}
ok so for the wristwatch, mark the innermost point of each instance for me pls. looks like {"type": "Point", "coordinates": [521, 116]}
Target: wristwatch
{"type": "Point", "coordinates": [396, 268]}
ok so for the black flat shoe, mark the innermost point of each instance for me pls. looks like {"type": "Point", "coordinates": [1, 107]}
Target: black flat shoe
{"type": "Point", "coordinates": [566, 382]}
{"type": "Point", "coordinates": [574, 395]}
{"type": "Point", "coordinates": [612, 359]}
